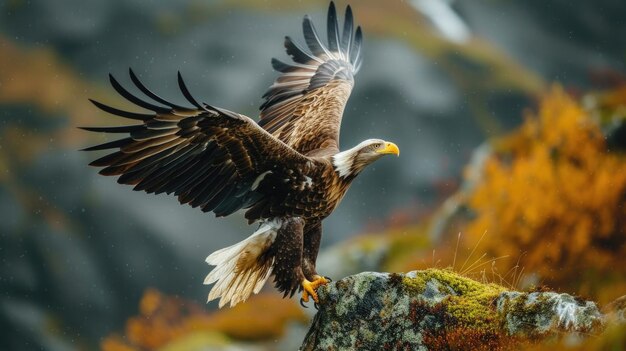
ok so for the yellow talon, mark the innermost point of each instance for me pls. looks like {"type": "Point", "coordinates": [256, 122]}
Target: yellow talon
{"type": "Point", "coordinates": [308, 288]}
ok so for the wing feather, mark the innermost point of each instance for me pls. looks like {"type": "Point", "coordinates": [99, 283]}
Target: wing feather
{"type": "Point", "coordinates": [313, 40]}
{"type": "Point", "coordinates": [151, 94]}
{"type": "Point", "coordinates": [121, 113]}
{"type": "Point", "coordinates": [298, 54]}
{"type": "Point", "coordinates": [186, 93]}
{"type": "Point", "coordinates": [132, 98]}
{"type": "Point", "coordinates": [120, 129]}
{"type": "Point", "coordinates": [332, 29]}
{"type": "Point", "coordinates": [110, 145]}
{"type": "Point", "coordinates": [304, 106]}
{"type": "Point", "coordinates": [355, 55]}
{"type": "Point", "coordinates": [206, 156]}
{"type": "Point", "coordinates": [348, 25]}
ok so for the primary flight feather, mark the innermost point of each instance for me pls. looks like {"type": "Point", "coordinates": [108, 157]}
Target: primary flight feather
{"type": "Point", "coordinates": [287, 171]}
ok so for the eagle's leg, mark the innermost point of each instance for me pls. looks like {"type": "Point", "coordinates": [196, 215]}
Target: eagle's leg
{"type": "Point", "coordinates": [312, 238]}
{"type": "Point", "coordinates": [287, 251]}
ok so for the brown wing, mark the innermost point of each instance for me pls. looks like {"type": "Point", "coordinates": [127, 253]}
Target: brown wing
{"type": "Point", "coordinates": [209, 157]}
{"type": "Point", "coordinates": [303, 107]}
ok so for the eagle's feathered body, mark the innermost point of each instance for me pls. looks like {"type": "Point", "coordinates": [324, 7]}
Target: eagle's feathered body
{"type": "Point", "coordinates": [287, 170]}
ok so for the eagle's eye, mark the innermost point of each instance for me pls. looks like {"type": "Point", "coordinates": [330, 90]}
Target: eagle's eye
{"type": "Point", "coordinates": [376, 145]}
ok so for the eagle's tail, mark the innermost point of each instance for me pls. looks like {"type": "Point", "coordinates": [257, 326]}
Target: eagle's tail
{"type": "Point", "coordinates": [243, 268]}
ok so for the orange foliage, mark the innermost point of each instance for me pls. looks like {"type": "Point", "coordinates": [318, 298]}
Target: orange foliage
{"type": "Point", "coordinates": [553, 192]}
{"type": "Point", "coordinates": [163, 319]}
{"type": "Point", "coordinates": [116, 343]}
{"type": "Point", "coordinates": [613, 339]}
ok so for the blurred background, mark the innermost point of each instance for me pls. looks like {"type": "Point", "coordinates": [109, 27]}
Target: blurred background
{"type": "Point", "coordinates": [509, 115]}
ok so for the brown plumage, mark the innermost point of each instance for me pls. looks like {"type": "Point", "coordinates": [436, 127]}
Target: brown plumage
{"type": "Point", "coordinates": [286, 170]}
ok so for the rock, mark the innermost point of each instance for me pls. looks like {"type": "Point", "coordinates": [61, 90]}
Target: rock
{"type": "Point", "coordinates": [616, 311]}
{"type": "Point", "coordinates": [439, 309]}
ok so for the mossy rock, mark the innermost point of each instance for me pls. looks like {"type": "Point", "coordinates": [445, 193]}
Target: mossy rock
{"type": "Point", "coordinates": [440, 309]}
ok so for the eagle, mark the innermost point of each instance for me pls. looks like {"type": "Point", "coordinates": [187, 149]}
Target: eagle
{"type": "Point", "coordinates": [286, 170]}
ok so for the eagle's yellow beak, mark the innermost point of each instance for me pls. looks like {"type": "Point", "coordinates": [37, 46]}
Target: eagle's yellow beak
{"type": "Point", "coordinates": [390, 148]}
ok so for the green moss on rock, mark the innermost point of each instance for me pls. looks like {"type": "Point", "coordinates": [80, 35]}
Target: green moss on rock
{"type": "Point", "coordinates": [439, 309]}
{"type": "Point", "coordinates": [469, 302]}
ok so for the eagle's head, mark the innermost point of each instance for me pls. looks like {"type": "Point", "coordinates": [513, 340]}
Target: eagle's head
{"type": "Point", "coordinates": [351, 162]}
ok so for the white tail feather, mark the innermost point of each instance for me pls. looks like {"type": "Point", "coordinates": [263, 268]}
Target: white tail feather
{"type": "Point", "coordinates": [238, 271]}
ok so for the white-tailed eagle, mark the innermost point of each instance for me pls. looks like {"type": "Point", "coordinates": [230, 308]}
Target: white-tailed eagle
{"type": "Point", "coordinates": [286, 170]}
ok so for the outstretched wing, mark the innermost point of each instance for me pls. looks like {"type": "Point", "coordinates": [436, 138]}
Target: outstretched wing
{"type": "Point", "coordinates": [209, 157]}
{"type": "Point", "coordinates": [303, 107]}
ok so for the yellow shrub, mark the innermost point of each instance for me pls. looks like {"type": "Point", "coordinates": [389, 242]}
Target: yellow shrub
{"type": "Point", "coordinates": [164, 319]}
{"type": "Point", "coordinates": [552, 192]}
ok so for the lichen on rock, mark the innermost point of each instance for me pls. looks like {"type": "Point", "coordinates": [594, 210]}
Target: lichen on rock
{"type": "Point", "coordinates": [439, 309]}
{"type": "Point", "coordinates": [543, 312]}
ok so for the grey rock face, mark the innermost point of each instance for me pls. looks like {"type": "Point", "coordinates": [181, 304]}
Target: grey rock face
{"type": "Point", "coordinates": [439, 309]}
